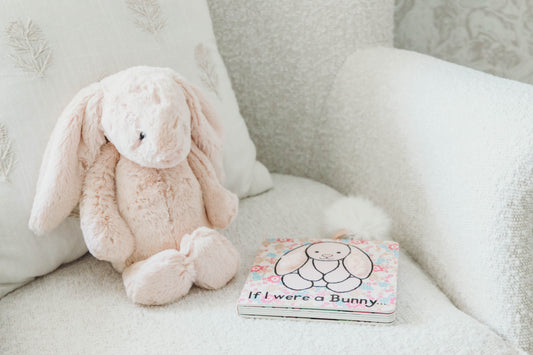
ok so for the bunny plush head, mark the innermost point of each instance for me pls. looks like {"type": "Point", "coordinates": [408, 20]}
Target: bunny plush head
{"type": "Point", "coordinates": [147, 118]}
{"type": "Point", "coordinates": [151, 116]}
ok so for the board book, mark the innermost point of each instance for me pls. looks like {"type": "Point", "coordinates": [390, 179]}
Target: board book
{"type": "Point", "coordinates": [342, 279]}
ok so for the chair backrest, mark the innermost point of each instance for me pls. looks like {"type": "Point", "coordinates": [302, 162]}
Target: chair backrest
{"type": "Point", "coordinates": [283, 56]}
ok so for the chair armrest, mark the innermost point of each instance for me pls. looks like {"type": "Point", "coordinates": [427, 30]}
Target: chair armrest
{"type": "Point", "coordinates": [448, 151]}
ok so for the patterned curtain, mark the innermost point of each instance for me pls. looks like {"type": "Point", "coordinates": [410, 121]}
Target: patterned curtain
{"type": "Point", "coordinates": [495, 36]}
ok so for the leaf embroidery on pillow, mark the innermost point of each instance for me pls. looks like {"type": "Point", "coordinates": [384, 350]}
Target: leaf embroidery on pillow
{"type": "Point", "coordinates": [208, 73]}
{"type": "Point", "coordinates": [147, 15]}
{"type": "Point", "coordinates": [30, 52]}
{"type": "Point", "coordinates": [7, 157]}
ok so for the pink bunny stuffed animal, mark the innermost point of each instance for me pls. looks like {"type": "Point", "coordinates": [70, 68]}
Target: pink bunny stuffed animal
{"type": "Point", "coordinates": [141, 151]}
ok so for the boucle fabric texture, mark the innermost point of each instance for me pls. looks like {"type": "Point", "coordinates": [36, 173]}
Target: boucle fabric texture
{"type": "Point", "coordinates": [282, 57]}
{"type": "Point", "coordinates": [448, 152]}
{"type": "Point", "coordinates": [82, 308]}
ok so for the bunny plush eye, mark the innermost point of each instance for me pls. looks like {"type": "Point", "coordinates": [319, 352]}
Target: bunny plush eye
{"type": "Point", "coordinates": [141, 136]}
{"type": "Point", "coordinates": [338, 252]}
{"type": "Point", "coordinates": [316, 251]}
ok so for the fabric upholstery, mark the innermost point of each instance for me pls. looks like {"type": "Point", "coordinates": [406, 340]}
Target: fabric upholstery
{"type": "Point", "coordinates": [82, 307]}
{"type": "Point", "coordinates": [282, 57]}
{"type": "Point", "coordinates": [448, 152]}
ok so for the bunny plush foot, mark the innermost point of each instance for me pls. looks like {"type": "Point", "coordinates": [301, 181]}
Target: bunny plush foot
{"type": "Point", "coordinates": [160, 279]}
{"type": "Point", "coordinates": [215, 259]}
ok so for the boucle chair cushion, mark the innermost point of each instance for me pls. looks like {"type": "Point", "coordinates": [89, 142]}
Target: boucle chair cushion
{"type": "Point", "coordinates": [82, 308]}
{"type": "Point", "coordinates": [448, 152]}
{"type": "Point", "coordinates": [48, 52]}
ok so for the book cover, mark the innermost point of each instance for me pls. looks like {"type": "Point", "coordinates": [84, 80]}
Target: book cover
{"type": "Point", "coordinates": [342, 279]}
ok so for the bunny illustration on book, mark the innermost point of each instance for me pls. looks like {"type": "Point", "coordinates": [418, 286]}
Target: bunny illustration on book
{"type": "Point", "coordinates": [141, 151]}
{"type": "Point", "coordinates": [338, 266]}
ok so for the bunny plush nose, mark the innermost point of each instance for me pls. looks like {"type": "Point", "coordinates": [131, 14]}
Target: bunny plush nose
{"type": "Point", "coordinates": [327, 255]}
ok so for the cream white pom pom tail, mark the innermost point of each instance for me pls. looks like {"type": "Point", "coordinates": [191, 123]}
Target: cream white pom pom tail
{"type": "Point", "coordinates": [356, 215]}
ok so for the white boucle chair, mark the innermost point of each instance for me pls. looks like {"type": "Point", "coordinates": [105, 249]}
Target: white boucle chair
{"type": "Point", "coordinates": [426, 139]}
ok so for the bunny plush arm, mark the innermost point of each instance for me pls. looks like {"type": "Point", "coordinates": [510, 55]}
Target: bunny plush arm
{"type": "Point", "coordinates": [106, 234]}
{"type": "Point", "coordinates": [221, 205]}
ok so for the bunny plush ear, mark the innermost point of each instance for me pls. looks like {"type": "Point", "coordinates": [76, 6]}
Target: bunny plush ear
{"type": "Point", "coordinates": [206, 126]}
{"type": "Point", "coordinates": [72, 148]}
{"type": "Point", "coordinates": [358, 263]}
{"type": "Point", "coordinates": [291, 261]}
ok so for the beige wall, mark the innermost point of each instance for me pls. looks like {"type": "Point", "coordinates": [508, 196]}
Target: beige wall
{"type": "Point", "coordinates": [495, 36]}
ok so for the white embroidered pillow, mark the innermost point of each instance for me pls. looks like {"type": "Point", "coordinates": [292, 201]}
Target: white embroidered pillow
{"type": "Point", "coordinates": [49, 51]}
